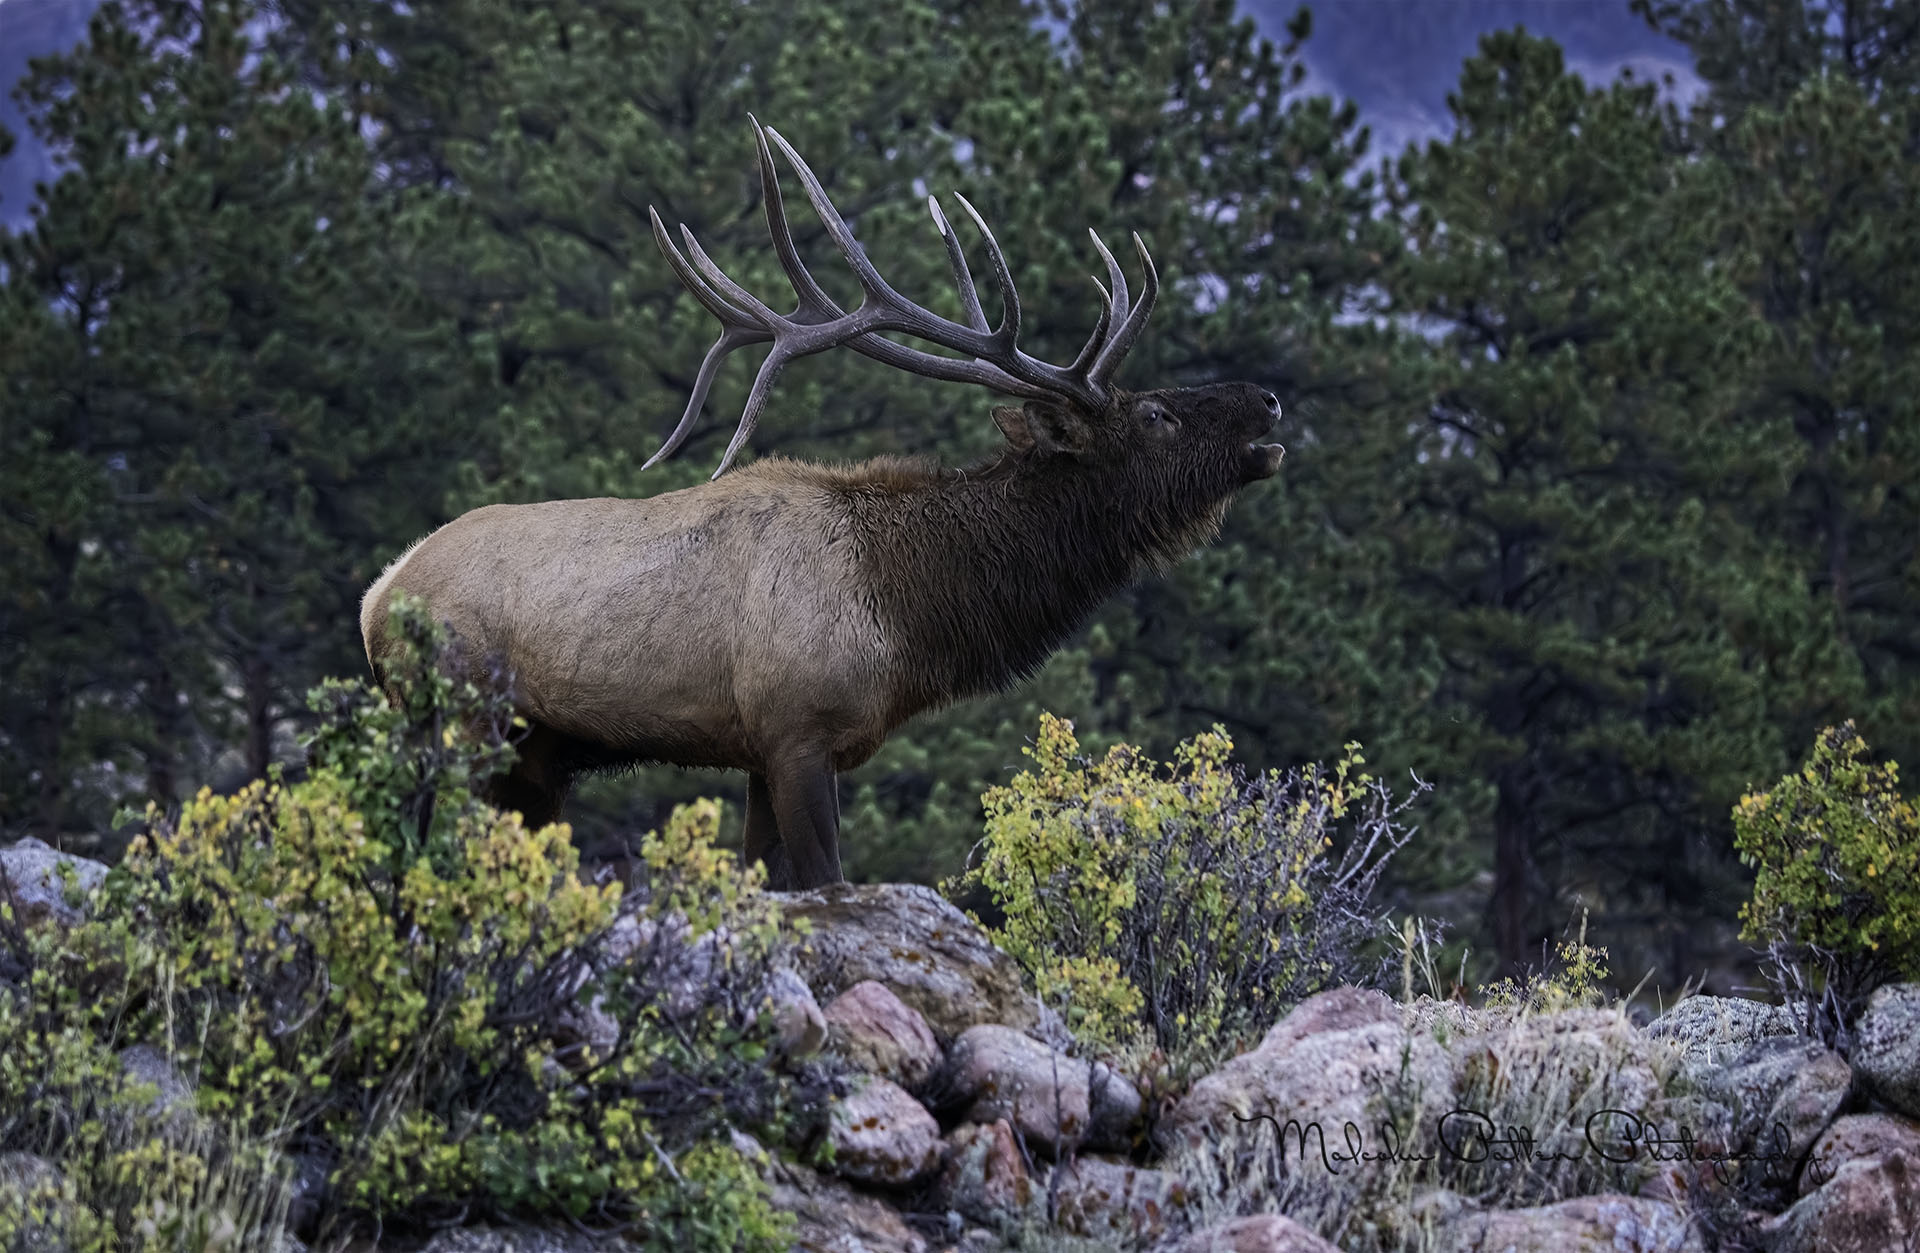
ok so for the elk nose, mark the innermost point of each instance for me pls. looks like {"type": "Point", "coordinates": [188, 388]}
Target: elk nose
{"type": "Point", "coordinates": [1273, 403]}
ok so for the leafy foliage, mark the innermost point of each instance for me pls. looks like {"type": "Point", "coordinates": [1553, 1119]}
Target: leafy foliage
{"type": "Point", "coordinates": [1836, 850]}
{"type": "Point", "coordinates": [1182, 896]}
{"type": "Point", "coordinates": [373, 968]}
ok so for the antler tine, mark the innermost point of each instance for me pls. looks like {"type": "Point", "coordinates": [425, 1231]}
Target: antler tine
{"type": "Point", "coordinates": [813, 298]}
{"type": "Point", "coordinates": [962, 276]}
{"type": "Point", "coordinates": [1009, 329]}
{"type": "Point", "coordinates": [1116, 348]}
{"type": "Point", "coordinates": [871, 283]}
{"type": "Point", "coordinates": [737, 331]}
{"type": "Point", "coordinates": [756, 400]}
{"type": "Point", "coordinates": [1116, 277]}
{"type": "Point", "coordinates": [731, 338]}
{"type": "Point", "coordinates": [1099, 337]}
{"type": "Point", "coordinates": [703, 291]}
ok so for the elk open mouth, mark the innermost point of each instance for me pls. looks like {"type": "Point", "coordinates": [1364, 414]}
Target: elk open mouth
{"type": "Point", "coordinates": [1263, 460]}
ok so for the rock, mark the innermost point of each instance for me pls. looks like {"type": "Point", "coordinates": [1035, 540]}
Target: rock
{"type": "Point", "coordinates": [1871, 1205]}
{"type": "Point", "coordinates": [1578, 1080]}
{"type": "Point", "coordinates": [148, 1065]}
{"type": "Point", "coordinates": [833, 1218]}
{"type": "Point", "coordinates": [1336, 1059]}
{"type": "Point", "coordinates": [1886, 1046]}
{"type": "Point", "coordinates": [881, 1135]}
{"type": "Point", "coordinates": [36, 1204]}
{"type": "Point", "coordinates": [977, 1240]}
{"type": "Point", "coordinates": [1262, 1233]}
{"type": "Point", "coordinates": [692, 971]}
{"type": "Point", "coordinates": [877, 1032]}
{"type": "Point", "coordinates": [1782, 1094]}
{"type": "Point", "coordinates": [517, 1240]}
{"type": "Point", "coordinates": [310, 1191]}
{"type": "Point", "coordinates": [985, 1178]}
{"type": "Point", "coordinates": [1715, 1030]}
{"type": "Point", "coordinates": [1445, 1021]}
{"type": "Point", "coordinates": [1336, 1009]}
{"type": "Point", "coordinates": [909, 938]}
{"type": "Point", "coordinates": [800, 1027]}
{"type": "Point", "coordinates": [1104, 1198]}
{"type": "Point", "coordinates": [1618, 1224]}
{"type": "Point", "coordinates": [43, 879]}
{"type": "Point", "coordinates": [1050, 1099]}
{"type": "Point", "coordinates": [584, 1035]}
{"type": "Point", "coordinates": [1855, 1137]}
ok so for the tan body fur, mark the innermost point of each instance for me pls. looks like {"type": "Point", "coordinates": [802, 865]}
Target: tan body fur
{"type": "Point", "coordinates": [701, 599]}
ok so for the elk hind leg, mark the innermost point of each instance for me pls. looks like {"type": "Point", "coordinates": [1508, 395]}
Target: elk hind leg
{"type": "Point", "coordinates": [762, 842]}
{"type": "Point", "coordinates": [806, 804]}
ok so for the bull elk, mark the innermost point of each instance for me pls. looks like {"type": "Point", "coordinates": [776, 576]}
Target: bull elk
{"type": "Point", "coordinates": [784, 619]}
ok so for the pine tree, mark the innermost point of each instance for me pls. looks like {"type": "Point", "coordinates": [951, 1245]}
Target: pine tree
{"type": "Point", "coordinates": [1616, 644]}
{"type": "Point", "coordinates": [1812, 126]}
{"type": "Point", "coordinates": [227, 406]}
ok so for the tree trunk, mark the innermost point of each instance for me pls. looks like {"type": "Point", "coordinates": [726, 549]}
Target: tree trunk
{"type": "Point", "coordinates": [259, 696]}
{"type": "Point", "coordinates": [1512, 868]}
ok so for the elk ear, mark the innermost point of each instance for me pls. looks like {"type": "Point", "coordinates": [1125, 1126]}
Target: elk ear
{"type": "Point", "coordinates": [1055, 428]}
{"type": "Point", "coordinates": [1013, 424]}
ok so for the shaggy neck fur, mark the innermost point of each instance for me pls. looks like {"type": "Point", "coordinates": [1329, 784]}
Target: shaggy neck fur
{"type": "Point", "coordinates": [979, 574]}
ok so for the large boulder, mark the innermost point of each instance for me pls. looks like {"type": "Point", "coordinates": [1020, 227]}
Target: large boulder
{"type": "Point", "coordinates": [1052, 1100]}
{"type": "Point", "coordinates": [1340, 1057]}
{"type": "Point", "coordinates": [985, 1178]}
{"type": "Point", "coordinates": [1870, 1205]}
{"type": "Point", "coordinates": [875, 1031]}
{"type": "Point", "coordinates": [1715, 1030]}
{"type": "Point", "coordinates": [1615, 1224]}
{"type": "Point", "coordinates": [1588, 1087]}
{"type": "Point", "coordinates": [1782, 1094]}
{"type": "Point", "coordinates": [1260, 1233]}
{"type": "Point", "coordinates": [518, 1240]}
{"type": "Point", "coordinates": [800, 1028]}
{"type": "Point", "coordinates": [831, 1217]}
{"type": "Point", "coordinates": [1886, 1047]}
{"type": "Point", "coordinates": [1105, 1198]}
{"type": "Point", "coordinates": [692, 970]}
{"type": "Point", "coordinates": [911, 939]}
{"type": "Point", "coordinates": [148, 1066]}
{"type": "Point", "coordinates": [49, 886]}
{"type": "Point", "coordinates": [880, 1135]}
{"type": "Point", "coordinates": [36, 1203]}
{"type": "Point", "coordinates": [1856, 1137]}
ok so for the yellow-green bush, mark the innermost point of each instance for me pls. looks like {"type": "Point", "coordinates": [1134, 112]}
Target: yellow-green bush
{"type": "Point", "coordinates": [375, 969]}
{"type": "Point", "coordinates": [1183, 898]}
{"type": "Point", "coordinates": [1836, 894]}
{"type": "Point", "coordinates": [100, 1165]}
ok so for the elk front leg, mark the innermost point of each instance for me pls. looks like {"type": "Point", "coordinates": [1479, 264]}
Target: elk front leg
{"type": "Point", "coordinates": [807, 807]}
{"type": "Point", "coordinates": [763, 835]}
{"type": "Point", "coordinates": [537, 784]}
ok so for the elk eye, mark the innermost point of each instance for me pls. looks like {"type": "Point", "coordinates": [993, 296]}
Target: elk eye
{"type": "Point", "coordinates": [1159, 421]}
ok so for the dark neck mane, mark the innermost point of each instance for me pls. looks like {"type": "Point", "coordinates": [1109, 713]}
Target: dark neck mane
{"type": "Point", "coordinates": [978, 575]}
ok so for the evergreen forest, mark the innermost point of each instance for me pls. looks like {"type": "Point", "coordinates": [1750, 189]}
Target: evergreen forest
{"type": "Point", "coordinates": [1602, 492]}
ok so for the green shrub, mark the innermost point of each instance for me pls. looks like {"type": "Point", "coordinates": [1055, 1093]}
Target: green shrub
{"type": "Point", "coordinates": [375, 969]}
{"type": "Point", "coordinates": [1575, 980]}
{"type": "Point", "coordinates": [1836, 894]}
{"type": "Point", "coordinates": [1183, 898]}
{"type": "Point", "coordinates": [93, 1163]}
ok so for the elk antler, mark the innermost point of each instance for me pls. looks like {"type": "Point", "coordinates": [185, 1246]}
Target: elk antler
{"type": "Point", "coordinates": [819, 324]}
